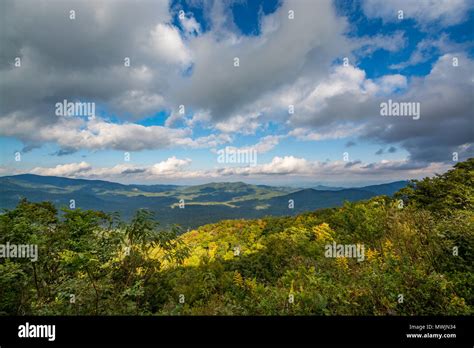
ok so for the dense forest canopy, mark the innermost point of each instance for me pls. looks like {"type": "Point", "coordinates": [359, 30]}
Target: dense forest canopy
{"type": "Point", "coordinates": [418, 255]}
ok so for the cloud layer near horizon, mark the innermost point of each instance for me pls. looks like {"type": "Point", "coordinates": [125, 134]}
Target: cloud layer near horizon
{"type": "Point", "coordinates": [174, 169]}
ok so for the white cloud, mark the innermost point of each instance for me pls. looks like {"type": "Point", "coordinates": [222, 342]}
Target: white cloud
{"type": "Point", "coordinates": [332, 100]}
{"type": "Point", "coordinates": [367, 45]}
{"type": "Point", "coordinates": [190, 25]}
{"type": "Point", "coordinates": [389, 83]}
{"type": "Point", "coordinates": [267, 62]}
{"type": "Point", "coordinates": [167, 44]}
{"type": "Point", "coordinates": [284, 165]}
{"type": "Point", "coordinates": [245, 124]}
{"type": "Point", "coordinates": [443, 12]}
{"type": "Point", "coordinates": [426, 48]}
{"type": "Point", "coordinates": [209, 141]}
{"type": "Point", "coordinates": [267, 143]}
{"type": "Point", "coordinates": [67, 170]}
{"type": "Point", "coordinates": [96, 134]}
{"type": "Point", "coordinates": [174, 170]}
{"type": "Point", "coordinates": [171, 166]}
{"type": "Point", "coordinates": [328, 133]}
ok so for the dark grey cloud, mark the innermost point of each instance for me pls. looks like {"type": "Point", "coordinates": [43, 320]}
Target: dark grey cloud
{"type": "Point", "coordinates": [80, 59]}
{"type": "Point", "coordinates": [392, 149]}
{"type": "Point", "coordinates": [446, 114]}
{"type": "Point", "coordinates": [446, 102]}
{"type": "Point", "coordinates": [64, 152]}
{"type": "Point", "coordinates": [134, 171]}
{"type": "Point", "coordinates": [351, 164]}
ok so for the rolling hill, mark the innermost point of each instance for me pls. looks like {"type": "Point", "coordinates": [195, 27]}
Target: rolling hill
{"type": "Point", "coordinates": [203, 204]}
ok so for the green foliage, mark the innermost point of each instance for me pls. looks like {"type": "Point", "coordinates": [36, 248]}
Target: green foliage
{"type": "Point", "coordinates": [444, 193]}
{"type": "Point", "coordinates": [92, 264]}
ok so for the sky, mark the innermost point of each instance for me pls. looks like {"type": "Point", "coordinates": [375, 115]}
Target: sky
{"type": "Point", "coordinates": [261, 91]}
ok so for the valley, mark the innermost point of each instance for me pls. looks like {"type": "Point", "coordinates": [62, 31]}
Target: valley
{"type": "Point", "coordinates": [188, 206]}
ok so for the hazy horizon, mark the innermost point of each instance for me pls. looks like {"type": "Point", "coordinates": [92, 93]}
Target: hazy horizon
{"type": "Point", "coordinates": [289, 184]}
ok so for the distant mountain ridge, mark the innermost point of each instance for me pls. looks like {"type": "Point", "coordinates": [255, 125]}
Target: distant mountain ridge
{"type": "Point", "coordinates": [204, 203]}
{"type": "Point", "coordinates": [328, 188]}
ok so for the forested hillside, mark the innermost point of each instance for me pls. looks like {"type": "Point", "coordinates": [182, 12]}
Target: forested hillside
{"type": "Point", "coordinates": [418, 256]}
{"type": "Point", "coordinates": [204, 204]}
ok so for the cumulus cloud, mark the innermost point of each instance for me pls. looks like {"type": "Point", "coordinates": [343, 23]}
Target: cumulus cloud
{"type": "Point", "coordinates": [445, 97]}
{"type": "Point", "coordinates": [166, 43]}
{"type": "Point", "coordinates": [67, 170]}
{"type": "Point", "coordinates": [169, 167]}
{"type": "Point", "coordinates": [343, 97]}
{"type": "Point", "coordinates": [82, 58]}
{"type": "Point", "coordinates": [96, 134]}
{"type": "Point", "coordinates": [445, 124]}
{"type": "Point", "coordinates": [266, 62]}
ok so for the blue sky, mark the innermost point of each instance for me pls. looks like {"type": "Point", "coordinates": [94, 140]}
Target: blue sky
{"type": "Point", "coordinates": [182, 56]}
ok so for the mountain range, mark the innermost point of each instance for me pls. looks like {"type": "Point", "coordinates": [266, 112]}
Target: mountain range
{"type": "Point", "coordinates": [203, 204]}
